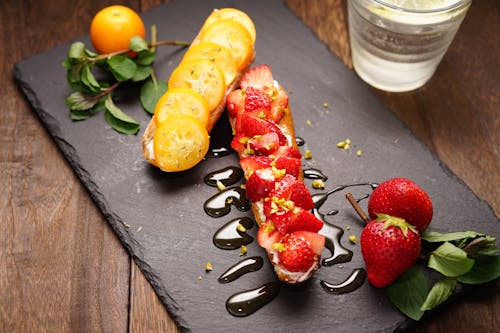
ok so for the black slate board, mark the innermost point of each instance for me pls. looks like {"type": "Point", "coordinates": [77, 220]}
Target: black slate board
{"type": "Point", "coordinates": [176, 237]}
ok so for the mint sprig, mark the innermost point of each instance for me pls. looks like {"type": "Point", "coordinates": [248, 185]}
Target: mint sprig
{"type": "Point", "coordinates": [92, 94]}
{"type": "Point", "coordinates": [467, 257]}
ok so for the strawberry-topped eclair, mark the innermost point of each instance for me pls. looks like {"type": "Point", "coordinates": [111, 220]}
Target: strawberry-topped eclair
{"type": "Point", "coordinates": [265, 141]}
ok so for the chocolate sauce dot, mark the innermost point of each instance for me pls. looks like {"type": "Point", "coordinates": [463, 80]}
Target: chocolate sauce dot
{"type": "Point", "coordinates": [313, 173]}
{"type": "Point", "coordinates": [247, 302]}
{"type": "Point", "coordinates": [244, 266]}
{"type": "Point", "coordinates": [220, 204]}
{"type": "Point", "coordinates": [227, 176]}
{"type": "Point", "coordinates": [353, 282]}
{"type": "Point", "coordinates": [299, 141]}
{"type": "Point", "coordinates": [228, 237]}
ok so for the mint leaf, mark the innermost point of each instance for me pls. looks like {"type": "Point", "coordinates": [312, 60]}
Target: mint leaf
{"type": "Point", "coordinates": [76, 53]}
{"type": "Point", "coordinates": [138, 44]}
{"type": "Point", "coordinates": [485, 269]}
{"type": "Point", "coordinates": [439, 292]}
{"type": "Point", "coordinates": [142, 73]}
{"type": "Point", "coordinates": [433, 236]}
{"type": "Point", "coordinates": [118, 120]}
{"type": "Point", "coordinates": [151, 93]}
{"type": "Point", "coordinates": [450, 261]}
{"type": "Point", "coordinates": [79, 102]}
{"type": "Point", "coordinates": [408, 292]}
{"type": "Point", "coordinates": [122, 67]}
{"type": "Point", "coordinates": [89, 80]}
{"type": "Point", "coordinates": [145, 58]}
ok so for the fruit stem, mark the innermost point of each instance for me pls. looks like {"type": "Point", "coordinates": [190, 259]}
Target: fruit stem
{"type": "Point", "coordinates": [356, 207]}
{"type": "Point", "coordinates": [151, 45]}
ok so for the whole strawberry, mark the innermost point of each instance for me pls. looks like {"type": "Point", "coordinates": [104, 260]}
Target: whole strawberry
{"type": "Point", "coordinates": [403, 198]}
{"type": "Point", "coordinates": [389, 246]}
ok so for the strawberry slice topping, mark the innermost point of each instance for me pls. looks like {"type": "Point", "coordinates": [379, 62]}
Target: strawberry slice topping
{"type": "Point", "coordinates": [252, 123]}
{"type": "Point", "coordinates": [267, 235]}
{"type": "Point", "coordinates": [260, 183]}
{"type": "Point", "coordinates": [259, 77]}
{"type": "Point", "coordinates": [256, 100]}
{"type": "Point", "coordinates": [295, 253]}
{"type": "Point", "coordinates": [292, 165]}
{"type": "Point", "coordinates": [235, 103]}
{"type": "Point", "coordinates": [252, 163]}
{"type": "Point", "coordinates": [289, 188]}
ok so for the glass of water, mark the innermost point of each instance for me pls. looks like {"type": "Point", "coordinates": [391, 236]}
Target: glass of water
{"type": "Point", "coordinates": [396, 45]}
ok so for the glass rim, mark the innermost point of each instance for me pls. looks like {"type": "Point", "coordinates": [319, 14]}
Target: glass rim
{"type": "Point", "coordinates": [456, 5]}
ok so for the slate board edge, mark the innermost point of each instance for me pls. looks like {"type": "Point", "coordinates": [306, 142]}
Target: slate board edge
{"type": "Point", "coordinates": [118, 225]}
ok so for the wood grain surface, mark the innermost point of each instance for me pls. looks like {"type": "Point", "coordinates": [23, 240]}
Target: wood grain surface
{"type": "Point", "coordinates": [61, 267]}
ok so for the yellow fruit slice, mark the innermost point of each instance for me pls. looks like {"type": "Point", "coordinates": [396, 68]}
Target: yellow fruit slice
{"type": "Point", "coordinates": [233, 36]}
{"type": "Point", "coordinates": [180, 143]}
{"type": "Point", "coordinates": [181, 101]}
{"type": "Point", "coordinates": [202, 76]}
{"type": "Point", "coordinates": [235, 15]}
{"type": "Point", "coordinates": [217, 54]}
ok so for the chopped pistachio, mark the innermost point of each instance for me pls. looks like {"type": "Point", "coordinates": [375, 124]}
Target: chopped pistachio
{"type": "Point", "coordinates": [318, 184]}
{"type": "Point", "coordinates": [243, 186]}
{"type": "Point", "coordinates": [307, 154]}
{"type": "Point", "coordinates": [229, 201]}
{"type": "Point", "coordinates": [352, 239]}
{"type": "Point", "coordinates": [139, 229]}
{"type": "Point", "coordinates": [347, 146]}
{"type": "Point", "coordinates": [241, 228]}
{"type": "Point", "coordinates": [308, 122]}
{"type": "Point", "coordinates": [126, 225]}
{"type": "Point", "coordinates": [278, 246]}
{"type": "Point", "coordinates": [220, 186]}
{"type": "Point", "coordinates": [199, 277]}
{"type": "Point", "coordinates": [348, 141]}
{"type": "Point", "coordinates": [359, 152]}
{"type": "Point", "coordinates": [243, 250]}
{"type": "Point", "coordinates": [325, 105]}
{"type": "Point", "coordinates": [208, 266]}
{"type": "Point", "coordinates": [348, 228]}
{"type": "Point", "coordinates": [341, 144]}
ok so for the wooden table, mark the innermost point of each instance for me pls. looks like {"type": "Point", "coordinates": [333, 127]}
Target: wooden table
{"type": "Point", "coordinates": [61, 267]}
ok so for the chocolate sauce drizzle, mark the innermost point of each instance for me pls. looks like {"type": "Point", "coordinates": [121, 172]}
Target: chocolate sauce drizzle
{"type": "Point", "coordinates": [228, 237]}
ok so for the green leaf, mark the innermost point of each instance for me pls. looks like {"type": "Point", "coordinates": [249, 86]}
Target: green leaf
{"type": "Point", "coordinates": [481, 246]}
{"type": "Point", "coordinates": [142, 73]}
{"type": "Point", "coordinates": [439, 293]}
{"type": "Point", "coordinates": [77, 53]}
{"type": "Point", "coordinates": [433, 236]}
{"type": "Point", "coordinates": [118, 120]}
{"type": "Point", "coordinates": [145, 58]}
{"type": "Point", "coordinates": [450, 261]}
{"type": "Point", "coordinates": [122, 67]}
{"type": "Point", "coordinates": [408, 292]}
{"type": "Point", "coordinates": [137, 44]}
{"type": "Point", "coordinates": [151, 93]}
{"type": "Point", "coordinates": [89, 80]}
{"type": "Point", "coordinates": [80, 102]}
{"type": "Point", "coordinates": [485, 269]}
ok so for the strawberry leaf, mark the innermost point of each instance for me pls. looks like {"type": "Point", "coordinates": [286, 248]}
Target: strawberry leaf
{"type": "Point", "coordinates": [439, 293]}
{"type": "Point", "coordinates": [450, 260]}
{"type": "Point", "coordinates": [408, 292]}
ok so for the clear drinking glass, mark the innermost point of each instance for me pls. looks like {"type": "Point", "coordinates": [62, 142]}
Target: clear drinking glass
{"type": "Point", "coordinates": [396, 45]}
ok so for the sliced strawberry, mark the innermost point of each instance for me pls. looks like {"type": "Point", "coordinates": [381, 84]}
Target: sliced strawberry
{"type": "Point", "coordinates": [256, 99]}
{"type": "Point", "coordinates": [316, 241]}
{"type": "Point", "coordinates": [279, 104]}
{"type": "Point", "coordinates": [252, 163]}
{"type": "Point", "coordinates": [267, 236]}
{"type": "Point", "coordinates": [295, 253]}
{"type": "Point", "coordinates": [292, 165]}
{"type": "Point", "coordinates": [251, 124]}
{"type": "Point", "coordinates": [296, 219]}
{"type": "Point", "coordinates": [258, 77]}
{"type": "Point", "coordinates": [265, 144]}
{"type": "Point", "coordinates": [289, 188]}
{"type": "Point", "coordinates": [235, 102]}
{"type": "Point", "coordinates": [259, 184]}
{"type": "Point", "coordinates": [238, 144]}
{"type": "Point", "coordinates": [288, 151]}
